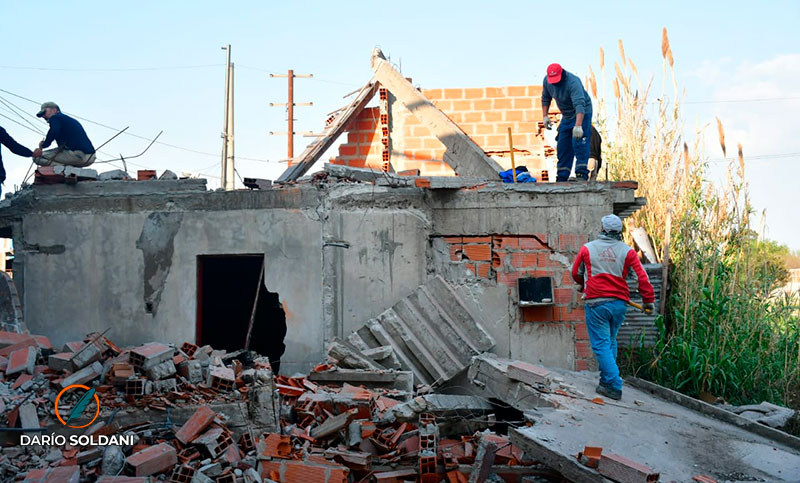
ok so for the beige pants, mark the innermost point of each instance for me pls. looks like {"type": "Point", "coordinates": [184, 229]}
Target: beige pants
{"type": "Point", "coordinates": [67, 157]}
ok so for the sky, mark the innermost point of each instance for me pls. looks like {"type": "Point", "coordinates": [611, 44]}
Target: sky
{"type": "Point", "coordinates": [158, 66]}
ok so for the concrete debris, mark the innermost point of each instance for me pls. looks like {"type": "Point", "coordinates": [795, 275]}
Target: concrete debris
{"type": "Point", "coordinates": [196, 414]}
{"type": "Point", "coordinates": [489, 375]}
{"type": "Point", "coordinates": [116, 174]}
{"type": "Point", "coordinates": [765, 413]}
{"type": "Point", "coordinates": [432, 333]}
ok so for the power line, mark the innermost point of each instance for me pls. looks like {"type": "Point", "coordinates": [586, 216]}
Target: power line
{"type": "Point", "coordinates": [137, 135]}
{"type": "Point", "coordinates": [329, 81]}
{"type": "Point", "coordinates": [110, 69]}
{"type": "Point", "coordinates": [757, 157]}
{"type": "Point", "coordinates": [19, 112]}
{"type": "Point", "coordinates": [17, 122]}
{"type": "Point", "coordinates": [765, 99]}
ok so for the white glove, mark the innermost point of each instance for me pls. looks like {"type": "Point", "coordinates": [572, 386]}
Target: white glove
{"type": "Point", "coordinates": [548, 124]}
{"type": "Point", "coordinates": [577, 132]}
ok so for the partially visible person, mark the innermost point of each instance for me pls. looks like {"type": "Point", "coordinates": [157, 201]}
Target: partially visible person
{"type": "Point", "coordinates": [15, 147]}
{"type": "Point", "coordinates": [576, 119]}
{"type": "Point", "coordinates": [74, 147]}
{"type": "Point", "coordinates": [595, 154]}
{"type": "Point", "coordinates": [600, 270]}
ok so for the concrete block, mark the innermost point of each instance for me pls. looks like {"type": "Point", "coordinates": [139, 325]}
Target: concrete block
{"type": "Point", "coordinates": [191, 370]}
{"type": "Point", "coordinates": [73, 347]}
{"type": "Point", "coordinates": [165, 385]}
{"type": "Point", "coordinates": [28, 418]}
{"type": "Point", "coordinates": [624, 470]}
{"type": "Point", "coordinates": [489, 375]}
{"type": "Point", "coordinates": [85, 356]}
{"type": "Point", "coordinates": [343, 354]}
{"type": "Point", "coordinates": [371, 379]}
{"type": "Point", "coordinates": [152, 460]}
{"type": "Point", "coordinates": [529, 373]}
{"type": "Point", "coordinates": [167, 174]}
{"type": "Point", "coordinates": [195, 425]}
{"type": "Point", "coordinates": [214, 441]}
{"type": "Point", "coordinates": [263, 408]}
{"type": "Point", "coordinates": [114, 174]}
{"type": "Point", "coordinates": [22, 360]}
{"type": "Point", "coordinates": [484, 459]}
{"type": "Point", "coordinates": [222, 379]}
{"type": "Point", "coordinates": [60, 361]}
{"type": "Point", "coordinates": [148, 355]}
{"type": "Point", "coordinates": [87, 374]}
{"type": "Point", "coordinates": [333, 424]}
{"type": "Point", "coordinates": [162, 370]}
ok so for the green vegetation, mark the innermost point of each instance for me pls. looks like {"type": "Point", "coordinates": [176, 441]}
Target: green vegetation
{"type": "Point", "coordinates": [723, 334]}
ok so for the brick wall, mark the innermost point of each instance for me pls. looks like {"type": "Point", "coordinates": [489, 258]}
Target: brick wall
{"type": "Point", "coordinates": [483, 113]}
{"type": "Point", "coordinates": [506, 258]}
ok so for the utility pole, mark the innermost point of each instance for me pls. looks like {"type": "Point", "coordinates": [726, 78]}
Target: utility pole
{"type": "Point", "coordinates": [290, 109]}
{"type": "Point", "coordinates": [227, 179]}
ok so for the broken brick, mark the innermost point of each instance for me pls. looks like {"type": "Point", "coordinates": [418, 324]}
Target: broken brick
{"type": "Point", "coordinates": [195, 425]}
{"type": "Point", "coordinates": [21, 360]}
{"type": "Point", "coordinates": [152, 460]}
{"type": "Point", "coordinates": [620, 468]}
{"type": "Point", "coordinates": [274, 446]}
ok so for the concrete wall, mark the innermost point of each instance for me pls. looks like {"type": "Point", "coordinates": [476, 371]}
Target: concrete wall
{"type": "Point", "coordinates": [124, 256]}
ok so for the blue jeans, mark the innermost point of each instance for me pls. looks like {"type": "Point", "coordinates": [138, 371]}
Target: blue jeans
{"type": "Point", "coordinates": [569, 149]}
{"type": "Point", "coordinates": [603, 321]}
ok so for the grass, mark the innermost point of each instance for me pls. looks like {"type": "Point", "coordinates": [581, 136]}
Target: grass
{"type": "Point", "coordinates": [722, 335]}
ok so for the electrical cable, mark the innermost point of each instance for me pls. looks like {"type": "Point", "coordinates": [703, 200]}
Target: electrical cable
{"type": "Point", "coordinates": [204, 153]}
{"type": "Point", "coordinates": [111, 69]}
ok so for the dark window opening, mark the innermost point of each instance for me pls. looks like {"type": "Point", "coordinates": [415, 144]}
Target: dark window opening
{"type": "Point", "coordinates": [227, 287]}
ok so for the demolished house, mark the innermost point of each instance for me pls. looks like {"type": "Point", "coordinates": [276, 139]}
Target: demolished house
{"type": "Point", "coordinates": [432, 317]}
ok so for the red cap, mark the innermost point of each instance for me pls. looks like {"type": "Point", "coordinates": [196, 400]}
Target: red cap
{"type": "Point", "coordinates": [554, 73]}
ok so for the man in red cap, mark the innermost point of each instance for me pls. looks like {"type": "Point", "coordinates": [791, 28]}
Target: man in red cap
{"type": "Point", "coordinates": [575, 128]}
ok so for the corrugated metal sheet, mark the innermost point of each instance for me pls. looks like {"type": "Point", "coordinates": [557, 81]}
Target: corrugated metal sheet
{"type": "Point", "coordinates": [637, 323]}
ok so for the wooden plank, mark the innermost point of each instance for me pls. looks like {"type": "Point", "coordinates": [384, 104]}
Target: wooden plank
{"type": "Point", "coordinates": [312, 153]}
{"type": "Point", "coordinates": [463, 155]}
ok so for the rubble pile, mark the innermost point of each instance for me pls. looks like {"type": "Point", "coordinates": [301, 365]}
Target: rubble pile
{"type": "Point", "coordinates": [195, 414]}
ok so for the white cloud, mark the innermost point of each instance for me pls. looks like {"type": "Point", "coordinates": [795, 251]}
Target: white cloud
{"type": "Point", "coordinates": [764, 127]}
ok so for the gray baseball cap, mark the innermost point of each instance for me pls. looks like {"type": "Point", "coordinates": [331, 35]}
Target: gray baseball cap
{"type": "Point", "coordinates": [612, 223]}
{"type": "Point", "coordinates": [45, 106]}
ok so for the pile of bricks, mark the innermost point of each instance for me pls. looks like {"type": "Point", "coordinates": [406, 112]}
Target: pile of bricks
{"type": "Point", "coordinates": [195, 414]}
{"type": "Point", "coordinates": [333, 433]}
{"type": "Point", "coordinates": [132, 385]}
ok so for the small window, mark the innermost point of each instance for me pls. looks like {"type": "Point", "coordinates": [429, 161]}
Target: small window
{"type": "Point", "coordinates": [535, 291]}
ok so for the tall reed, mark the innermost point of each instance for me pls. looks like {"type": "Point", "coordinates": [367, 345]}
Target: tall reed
{"type": "Point", "coordinates": [722, 334]}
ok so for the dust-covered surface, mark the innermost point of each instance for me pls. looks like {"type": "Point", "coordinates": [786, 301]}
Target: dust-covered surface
{"type": "Point", "coordinates": [675, 441]}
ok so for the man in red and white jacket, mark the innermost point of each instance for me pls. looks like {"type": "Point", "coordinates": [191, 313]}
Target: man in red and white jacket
{"type": "Point", "coordinates": [600, 269]}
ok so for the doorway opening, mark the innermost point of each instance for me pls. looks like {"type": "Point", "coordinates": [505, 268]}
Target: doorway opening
{"type": "Point", "coordinates": [226, 297]}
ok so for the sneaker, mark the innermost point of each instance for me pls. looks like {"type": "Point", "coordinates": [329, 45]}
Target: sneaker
{"type": "Point", "coordinates": [609, 392]}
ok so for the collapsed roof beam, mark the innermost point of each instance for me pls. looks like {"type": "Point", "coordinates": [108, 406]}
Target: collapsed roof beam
{"type": "Point", "coordinates": [316, 149]}
{"type": "Point", "coordinates": [462, 154]}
